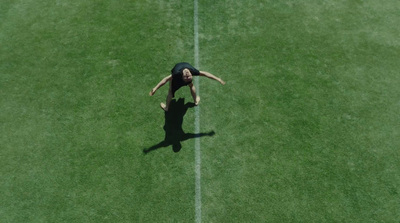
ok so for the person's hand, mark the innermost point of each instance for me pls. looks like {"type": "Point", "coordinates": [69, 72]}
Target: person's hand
{"type": "Point", "coordinates": [152, 92]}
{"type": "Point", "coordinates": [222, 82]}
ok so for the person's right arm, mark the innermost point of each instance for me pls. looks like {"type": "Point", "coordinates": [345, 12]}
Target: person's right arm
{"type": "Point", "coordinates": [162, 82]}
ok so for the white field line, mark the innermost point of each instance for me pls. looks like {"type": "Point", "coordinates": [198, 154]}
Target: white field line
{"type": "Point", "coordinates": [197, 118]}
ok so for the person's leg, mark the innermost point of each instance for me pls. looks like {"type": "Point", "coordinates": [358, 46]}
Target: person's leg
{"type": "Point", "coordinates": [196, 98]}
{"type": "Point", "coordinates": [165, 107]}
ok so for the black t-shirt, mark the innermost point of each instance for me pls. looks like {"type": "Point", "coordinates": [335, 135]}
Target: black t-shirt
{"type": "Point", "coordinates": [177, 80]}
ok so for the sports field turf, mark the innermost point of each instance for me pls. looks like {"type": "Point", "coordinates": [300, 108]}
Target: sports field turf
{"type": "Point", "coordinates": [306, 129]}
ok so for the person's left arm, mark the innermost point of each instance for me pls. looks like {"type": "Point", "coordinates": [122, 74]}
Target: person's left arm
{"type": "Point", "coordinates": [211, 76]}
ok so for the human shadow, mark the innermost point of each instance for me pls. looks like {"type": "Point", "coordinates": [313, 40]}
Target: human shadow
{"type": "Point", "coordinates": [174, 133]}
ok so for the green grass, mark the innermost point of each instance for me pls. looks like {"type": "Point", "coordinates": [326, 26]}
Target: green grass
{"type": "Point", "coordinates": [312, 96]}
{"type": "Point", "coordinates": [307, 126]}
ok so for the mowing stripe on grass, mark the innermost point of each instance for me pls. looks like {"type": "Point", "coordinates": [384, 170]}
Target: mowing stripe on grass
{"type": "Point", "coordinates": [197, 118]}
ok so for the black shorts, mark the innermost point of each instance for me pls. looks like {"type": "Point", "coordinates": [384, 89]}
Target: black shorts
{"type": "Point", "coordinates": [175, 86]}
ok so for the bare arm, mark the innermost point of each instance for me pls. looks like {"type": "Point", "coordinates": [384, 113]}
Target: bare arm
{"type": "Point", "coordinates": [211, 76]}
{"type": "Point", "coordinates": [162, 82]}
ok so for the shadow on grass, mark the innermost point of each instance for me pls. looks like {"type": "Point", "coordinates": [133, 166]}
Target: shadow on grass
{"type": "Point", "coordinates": [174, 133]}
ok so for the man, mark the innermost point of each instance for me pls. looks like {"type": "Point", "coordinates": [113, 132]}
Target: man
{"type": "Point", "coordinates": [182, 75]}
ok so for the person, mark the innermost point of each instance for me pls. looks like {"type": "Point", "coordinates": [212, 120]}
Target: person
{"type": "Point", "coordinates": [182, 75]}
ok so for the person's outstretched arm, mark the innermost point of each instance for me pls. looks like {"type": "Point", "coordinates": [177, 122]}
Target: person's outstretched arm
{"type": "Point", "coordinates": [162, 82]}
{"type": "Point", "coordinates": [211, 76]}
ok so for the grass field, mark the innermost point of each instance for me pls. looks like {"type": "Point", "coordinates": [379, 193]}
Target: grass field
{"type": "Point", "coordinates": [307, 128]}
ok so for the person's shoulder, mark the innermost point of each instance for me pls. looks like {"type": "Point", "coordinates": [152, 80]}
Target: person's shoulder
{"type": "Point", "coordinates": [188, 66]}
{"type": "Point", "coordinates": [175, 69]}
{"type": "Point", "coordinates": [180, 66]}
{"type": "Point", "coordinates": [193, 70]}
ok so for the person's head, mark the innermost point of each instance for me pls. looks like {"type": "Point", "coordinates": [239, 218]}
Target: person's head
{"type": "Point", "coordinates": [186, 75]}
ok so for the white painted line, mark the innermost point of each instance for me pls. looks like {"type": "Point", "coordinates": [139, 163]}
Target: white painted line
{"type": "Point", "coordinates": [196, 34]}
{"type": "Point", "coordinates": [197, 118]}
